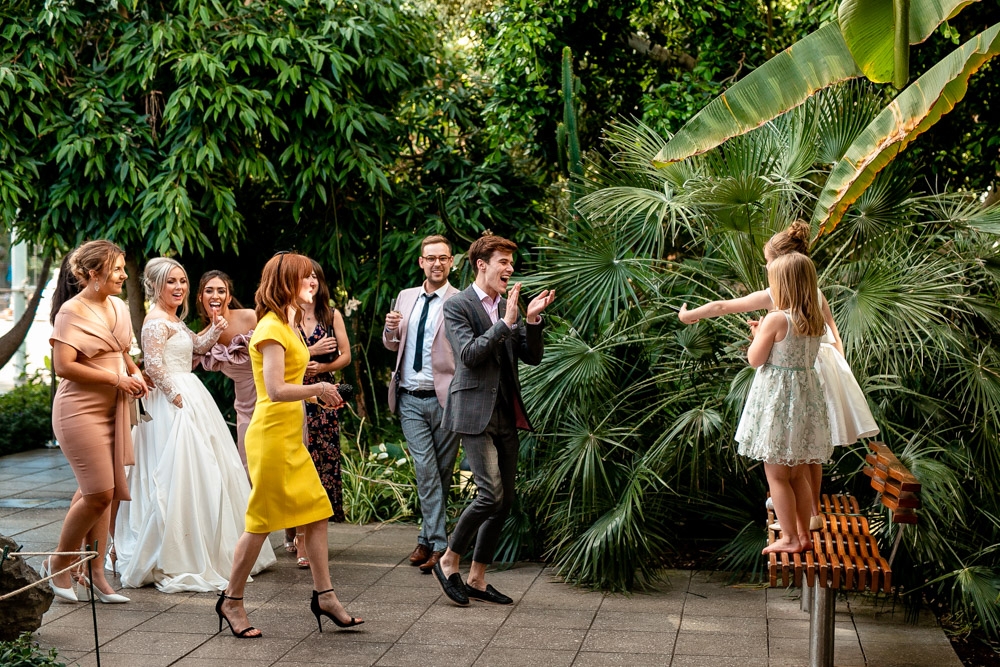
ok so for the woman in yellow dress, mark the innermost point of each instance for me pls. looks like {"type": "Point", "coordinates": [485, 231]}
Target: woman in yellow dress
{"type": "Point", "coordinates": [286, 487]}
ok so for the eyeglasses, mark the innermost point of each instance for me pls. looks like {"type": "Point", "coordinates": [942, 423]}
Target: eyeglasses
{"type": "Point", "coordinates": [431, 259]}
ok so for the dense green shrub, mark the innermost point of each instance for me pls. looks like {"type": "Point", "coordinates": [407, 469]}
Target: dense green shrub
{"type": "Point", "coordinates": [22, 652]}
{"type": "Point", "coordinates": [25, 418]}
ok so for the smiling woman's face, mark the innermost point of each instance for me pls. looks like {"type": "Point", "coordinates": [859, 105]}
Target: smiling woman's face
{"type": "Point", "coordinates": [175, 291]}
{"type": "Point", "coordinates": [215, 298]}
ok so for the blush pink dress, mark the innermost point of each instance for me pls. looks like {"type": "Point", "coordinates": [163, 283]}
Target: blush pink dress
{"type": "Point", "coordinates": [91, 421]}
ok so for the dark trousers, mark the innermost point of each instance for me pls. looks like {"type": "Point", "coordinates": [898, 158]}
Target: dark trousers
{"type": "Point", "coordinates": [492, 456]}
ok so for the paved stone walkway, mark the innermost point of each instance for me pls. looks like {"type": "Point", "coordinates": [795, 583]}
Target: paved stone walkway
{"type": "Point", "coordinates": [692, 620]}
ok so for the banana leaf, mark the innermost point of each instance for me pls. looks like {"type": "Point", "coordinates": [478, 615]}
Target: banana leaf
{"type": "Point", "coordinates": [827, 56]}
{"type": "Point", "coordinates": [867, 26]}
{"type": "Point", "coordinates": [912, 113]}
{"type": "Point", "coordinates": [782, 83]}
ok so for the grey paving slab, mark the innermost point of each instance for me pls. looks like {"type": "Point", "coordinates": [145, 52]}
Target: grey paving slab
{"type": "Point", "coordinates": [524, 657]}
{"type": "Point", "coordinates": [689, 619]}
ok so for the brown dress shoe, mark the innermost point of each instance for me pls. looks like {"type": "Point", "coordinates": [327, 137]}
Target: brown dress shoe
{"type": "Point", "coordinates": [428, 567]}
{"type": "Point", "coordinates": [420, 555]}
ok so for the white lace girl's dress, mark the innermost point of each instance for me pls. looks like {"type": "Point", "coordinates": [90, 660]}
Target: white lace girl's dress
{"type": "Point", "coordinates": [189, 489]}
{"type": "Point", "coordinates": [848, 411]}
{"type": "Point", "coordinates": [785, 420]}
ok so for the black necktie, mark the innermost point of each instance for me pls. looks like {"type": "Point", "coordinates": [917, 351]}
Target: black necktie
{"type": "Point", "coordinates": [418, 354]}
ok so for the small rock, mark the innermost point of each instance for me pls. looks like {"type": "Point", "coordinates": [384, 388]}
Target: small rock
{"type": "Point", "coordinates": [22, 613]}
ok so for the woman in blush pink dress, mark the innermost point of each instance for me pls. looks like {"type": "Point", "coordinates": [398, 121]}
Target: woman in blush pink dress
{"type": "Point", "coordinates": [230, 355]}
{"type": "Point", "coordinates": [90, 414]}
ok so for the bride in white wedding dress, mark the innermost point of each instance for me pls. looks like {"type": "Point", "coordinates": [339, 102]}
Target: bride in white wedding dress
{"type": "Point", "coordinates": [189, 490]}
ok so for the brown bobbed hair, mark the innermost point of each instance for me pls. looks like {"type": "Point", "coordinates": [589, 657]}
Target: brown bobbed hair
{"type": "Point", "coordinates": [321, 300]}
{"type": "Point", "coordinates": [484, 247]}
{"type": "Point", "coordinates": [432, 239]}
{"type": "Point", "coordinates": [279, 284]}
{"type": "Point", "coordinates": [794, 288]}
{"type": "Point", "coordinates": [205, 277]}
{"type": "Point", "coordinates": [793, 239]}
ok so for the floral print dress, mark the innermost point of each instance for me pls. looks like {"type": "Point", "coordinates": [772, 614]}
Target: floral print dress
{"type": "Point", "coordinates": [785, 420]}
{"type": "Point", "coordinates": [324, 437]}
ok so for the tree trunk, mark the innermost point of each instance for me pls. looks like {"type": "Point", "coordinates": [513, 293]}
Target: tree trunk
{"type": "Point", "coordinates": [135, 294]}
{"type": "Point", "coordinates": [12, 340]}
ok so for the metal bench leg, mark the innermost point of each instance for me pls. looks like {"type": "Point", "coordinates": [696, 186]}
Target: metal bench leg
{"type": "Point", "coordinates": [807, 597]}
{"type": "Point", "coordinates": [821, 627]}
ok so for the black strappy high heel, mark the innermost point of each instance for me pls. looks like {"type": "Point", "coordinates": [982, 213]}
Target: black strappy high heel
{"type": "Point", "coordinates": [317, 611]}
{"type": "Point", "coordinates": [242, 634]}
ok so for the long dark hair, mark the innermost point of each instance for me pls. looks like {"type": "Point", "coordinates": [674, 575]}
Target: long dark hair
{"type": "Point", "coordinates": [324, 313]}
{"type": "Point", "coordinates": [66, 287]}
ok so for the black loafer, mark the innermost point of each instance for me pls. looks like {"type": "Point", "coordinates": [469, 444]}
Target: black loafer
{"type": "Point", "coordinates": [452, 586]}
{"type": "Point", "coordinates": [489, 595]}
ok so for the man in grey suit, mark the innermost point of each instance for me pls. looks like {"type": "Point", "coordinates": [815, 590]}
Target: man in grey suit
{"type": "Point", "coordinates": [488, 337]}
{"type": "Point", "coordinates": [419, 391]}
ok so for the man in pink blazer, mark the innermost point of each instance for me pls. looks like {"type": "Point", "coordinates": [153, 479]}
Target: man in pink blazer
{"type": "Point", "coordinates": [418, 392]}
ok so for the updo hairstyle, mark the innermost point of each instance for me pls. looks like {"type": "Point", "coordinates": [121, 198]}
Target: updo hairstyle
{"type": "Point", "coordinates": [154, 281]}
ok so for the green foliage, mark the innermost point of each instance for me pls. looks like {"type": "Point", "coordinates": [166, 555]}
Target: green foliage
{"type": "Point", "coordinates": [22, 652]}
{"type": "Point", "coordinates": [378, 486]}
{"type": "Point", "coordinates": [636, 450]}
{"type": "Point", "coordinates": [25, 417]}
{"type": "Point", "coordinates": [167, 127]}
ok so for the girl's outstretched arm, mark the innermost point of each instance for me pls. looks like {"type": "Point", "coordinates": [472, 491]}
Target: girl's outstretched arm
{"type": "Point", "coordinates": [757, 301]}
{"type": "Point", "coordinates": [828, 318]}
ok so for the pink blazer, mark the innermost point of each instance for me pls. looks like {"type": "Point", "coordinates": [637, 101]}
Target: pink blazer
{"type": "Point", "coordinates": [442, 359]}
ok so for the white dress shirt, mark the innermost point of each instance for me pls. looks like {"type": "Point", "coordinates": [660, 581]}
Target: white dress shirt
{"type": "Point", "coordinates": [422, 380]}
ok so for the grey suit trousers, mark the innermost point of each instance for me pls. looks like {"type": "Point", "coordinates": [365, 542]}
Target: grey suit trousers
{"type": "Point", "coordinates": [492, 456]}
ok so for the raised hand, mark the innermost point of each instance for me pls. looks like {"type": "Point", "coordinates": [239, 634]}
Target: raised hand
{"type": "Point", "coordinates": [538, 304]}
{"type": "Point", "coordinates": [685, 316]}
{"type": "Point", "coordinates": [510, 312]}
{"type": "Point", "coordinates": [392, 320]}
{"type": "Point", "coordinates": [218, 321]}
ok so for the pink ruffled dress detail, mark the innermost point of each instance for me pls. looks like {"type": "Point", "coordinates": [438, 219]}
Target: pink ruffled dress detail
{"type": "Point", "coordinates": [233, 361]}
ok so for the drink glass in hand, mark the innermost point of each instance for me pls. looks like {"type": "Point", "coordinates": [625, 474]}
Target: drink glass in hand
{"type": "Point", "coordinates": [395, 332]}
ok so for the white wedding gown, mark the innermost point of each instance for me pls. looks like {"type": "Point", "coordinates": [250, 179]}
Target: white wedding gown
{"type": "Point", "coordinates": [189, 490]}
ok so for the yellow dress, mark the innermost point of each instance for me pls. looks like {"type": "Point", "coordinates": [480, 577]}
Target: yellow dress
{"type": "Point", "coordinates": [286, 489]}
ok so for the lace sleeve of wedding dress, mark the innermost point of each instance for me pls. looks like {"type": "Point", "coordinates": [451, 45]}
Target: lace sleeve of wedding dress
{"type": "Point", "coordinates": [154, 337]}
{"type": "Point", "coordinates": [204, 342]}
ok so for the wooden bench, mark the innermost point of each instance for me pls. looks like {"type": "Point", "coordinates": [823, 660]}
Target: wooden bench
{"type": "Point", "coordinates": [845, 556]}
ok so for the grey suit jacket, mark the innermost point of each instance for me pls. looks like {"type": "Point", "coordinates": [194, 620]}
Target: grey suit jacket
{"type": "Point", "coordinates": [478, 346]}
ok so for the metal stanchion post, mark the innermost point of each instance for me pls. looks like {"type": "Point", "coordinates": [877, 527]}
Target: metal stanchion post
{"type": "Point", "coordinates": [821, 626]}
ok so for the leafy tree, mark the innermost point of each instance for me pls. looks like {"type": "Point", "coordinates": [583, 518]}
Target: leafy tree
{"type": "Point", "coordinates": [211, 129]}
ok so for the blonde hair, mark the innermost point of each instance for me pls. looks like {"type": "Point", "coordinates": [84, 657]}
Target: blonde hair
{"type": "Point", "coordinates": [793, 239]}
{"type": "Point", "coordinates": [154, 281]}
{"type": "Point", "coordinates": [794, 288]}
